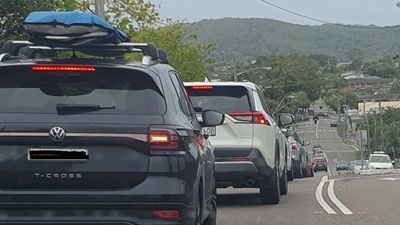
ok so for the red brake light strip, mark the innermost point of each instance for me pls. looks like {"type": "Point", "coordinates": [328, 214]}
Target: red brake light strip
{"type": "Point", "coordinates": [63, 68]}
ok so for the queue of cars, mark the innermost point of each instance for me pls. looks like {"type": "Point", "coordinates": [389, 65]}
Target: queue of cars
{"type": "Point", "coordinates": [250, 149]}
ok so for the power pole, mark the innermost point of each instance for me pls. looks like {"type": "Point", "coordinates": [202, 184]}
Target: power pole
{"type": "Point", "coordinates": [99, 8]}
{"type": "Point", "coordinates": [381, 126]}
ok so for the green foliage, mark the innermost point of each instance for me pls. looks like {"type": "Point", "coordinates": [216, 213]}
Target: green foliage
{"type": "Point", "coordinates": [247, 38]}
{"type": "Point", "coordinates": [382, 68]}
{"type": "Point", "coordinates": [132, 15]}
{"type": "Point", "coordinates": [13, 14]}
{"type": "Point", "coordinates": [390, 129]}
{"type": "Point", "coordinates": [356, 57]}
{"type": "Point", "coordinates": [187, 57]}
{"type": "Point", "coordinates": [300, 100]}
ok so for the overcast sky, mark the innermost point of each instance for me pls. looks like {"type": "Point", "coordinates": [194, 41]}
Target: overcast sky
{"type": "Point", "coordinates": [362, 12]}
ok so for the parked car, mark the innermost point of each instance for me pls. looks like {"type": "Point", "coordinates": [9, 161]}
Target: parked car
{"type": "Point", "coordinates": [309, 172]}
{"type": "Point", "coordinates": [289, 158]}
{"type": "Point", "coordinates": [359, 165]}
{"type": "Point", "coordinates": [117, 140]}
{"type": "Point", "coordinates": [298, 153]}
{"type": "Point", "coordinates": [379, 160]}
{"type": "Point", "coordinates": [250, 148]}
{"type": "Point", "coordinates": [333, 123]}
{"type": "Point", "coordinates": [342, 165]}
{"type": "Point", "coordinates": [320, 163]}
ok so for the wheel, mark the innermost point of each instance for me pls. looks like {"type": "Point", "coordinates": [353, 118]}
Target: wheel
{"type": "Point", "coordinates": [199, 204]}
{"type": "Point", "coordinates": [290, 174]}
{"type": "Point", "coordinates": [283, 182]}
{"type": "Point", "coordinates": [299, 172]}
{"type": "Point", "coordinates": [212, 218]}
{"type": "Point", "coordinates": [271, 194]}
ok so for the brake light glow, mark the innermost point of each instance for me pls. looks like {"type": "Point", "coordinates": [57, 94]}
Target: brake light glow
{"type": "Point", "coordinates": [253, 117]}
{"type": "Point", "coordinates": [202, 87]}
{"type": "Point", "coordinates": [166, 214]}
{"type": "Point", "coordinates": [63, 68]}
{"type": "Point", "coordinates": [163, 140]}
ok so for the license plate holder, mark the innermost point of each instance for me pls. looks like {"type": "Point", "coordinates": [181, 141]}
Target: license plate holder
{"type": "Point", "coordinates": [58, 154]}
{"type": "Point", "coordinates": [210, 131]}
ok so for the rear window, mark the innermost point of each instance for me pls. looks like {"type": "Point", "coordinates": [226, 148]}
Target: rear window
{"type": "Point", "coordinates": [226, 99]}
{"type": "Point", "coordinates": [127, 91]}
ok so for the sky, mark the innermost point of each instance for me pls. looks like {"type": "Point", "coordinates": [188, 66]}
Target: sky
{"type": "Point", "coordinates": [360, 12]}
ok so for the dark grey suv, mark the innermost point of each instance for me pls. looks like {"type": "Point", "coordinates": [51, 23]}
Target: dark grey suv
{"type": "Point", "coordinates": [101, 141]}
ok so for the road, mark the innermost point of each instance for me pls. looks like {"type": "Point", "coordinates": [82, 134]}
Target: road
{"type": "Point", "coordinates": [322, 199]}
{"type": "Point", "coordinates": [328, 138]}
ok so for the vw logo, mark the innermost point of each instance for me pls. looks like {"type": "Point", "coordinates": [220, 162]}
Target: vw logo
{"type": "Point", "coordinates": [57, 133]}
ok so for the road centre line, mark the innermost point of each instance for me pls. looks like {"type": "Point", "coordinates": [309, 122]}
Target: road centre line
{"type": "Point", "coordinates": [320, 198]}
{"type": "Point", "coordinates": [335, 200]}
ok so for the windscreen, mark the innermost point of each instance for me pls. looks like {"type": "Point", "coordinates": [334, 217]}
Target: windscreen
{"type": "Point", "coordinates": [117, 91]}
{"type": "Point", "coordinates": [380, 159]}
{"type": "Point", "coordinates": [226, 99]}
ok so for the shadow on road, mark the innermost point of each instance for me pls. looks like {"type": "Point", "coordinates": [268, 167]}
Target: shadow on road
{"type": "Point", "coordinates": [242, 199]}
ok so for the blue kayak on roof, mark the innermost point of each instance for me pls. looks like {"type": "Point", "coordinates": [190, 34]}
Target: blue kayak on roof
{"type": "Point", "coordinates": [71, 29]}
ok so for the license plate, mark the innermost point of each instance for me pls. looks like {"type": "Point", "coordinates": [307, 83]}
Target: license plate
{"type": "Point", "coordinates": [210, 131]}
{"type": "Point", "coordinates": [54, 154]}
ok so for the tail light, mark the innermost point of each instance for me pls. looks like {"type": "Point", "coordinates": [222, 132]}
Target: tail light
{"type": "Point", "coordinates": [63, 68]}
{"type": "Point", "coordinates": [293, 146]}
{"type": "Point", "coordinates": [166, 214]}
{"type": "Point", "coordinates": [163, 140]}
{"type": "Point", "coordinates": [252, 117]}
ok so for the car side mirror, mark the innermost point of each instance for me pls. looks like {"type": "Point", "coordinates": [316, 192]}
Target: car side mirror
{"type": "Point", "coordinates": [212, 118]}
{"type": "Point", "coordinates": [285, 119]}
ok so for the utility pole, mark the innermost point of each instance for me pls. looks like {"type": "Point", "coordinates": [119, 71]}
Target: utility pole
{"type": "Point", "coordinates": [381, 126]}
{"type": "Point", "coordinates": [99, 8]}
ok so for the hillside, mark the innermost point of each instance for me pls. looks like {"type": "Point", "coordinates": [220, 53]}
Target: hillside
{"type": "Point", "coordinates": [249, 38]}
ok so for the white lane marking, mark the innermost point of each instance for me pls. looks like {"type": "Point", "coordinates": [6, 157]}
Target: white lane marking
{"type": "Point", "coordinates": [316, 130]}
{"type": "Point", "coordinates": [355, 148]}
{"type": "Point", "coordinates": [390, 179]}
{"type": "Point", "coordinates": [336, 201]}
{"type": "Point", "coordinates": [320, 198]}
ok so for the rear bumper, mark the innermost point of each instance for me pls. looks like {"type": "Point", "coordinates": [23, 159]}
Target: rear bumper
{"type": "Point", "coordinates": [320, 167]}
{"type": "Point", "coordinates": [92, 215]}
{"type": "Point", "coordinates": [116, 207]}
{"type": "Point", "coordinates": [249, 171]}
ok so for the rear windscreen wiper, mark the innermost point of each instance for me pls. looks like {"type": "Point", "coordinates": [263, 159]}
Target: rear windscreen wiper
{"type": "Point", "coordinates": [80, 108]}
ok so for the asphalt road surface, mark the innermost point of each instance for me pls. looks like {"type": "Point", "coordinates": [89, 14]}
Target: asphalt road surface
{"type": "Point", "coordinates": [322, 199]}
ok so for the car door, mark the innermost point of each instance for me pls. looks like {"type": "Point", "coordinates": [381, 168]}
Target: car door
{"type": "Point", "coordinates": [278, 131]}
{"type": "Point", "coordinates": [203, 145]}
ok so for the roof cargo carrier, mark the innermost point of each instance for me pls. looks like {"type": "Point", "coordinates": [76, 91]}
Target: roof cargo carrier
{"type": "Point", "coordinates": [71, 29]}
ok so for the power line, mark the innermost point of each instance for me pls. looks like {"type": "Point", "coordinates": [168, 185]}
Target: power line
{"type": "Point", "coordinates": [325, 22]}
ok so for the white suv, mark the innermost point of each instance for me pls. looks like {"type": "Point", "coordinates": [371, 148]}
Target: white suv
{"type": "Point", "coordinates": [250, 148]}
{"type": "Point", "coordinates": [379, 160]}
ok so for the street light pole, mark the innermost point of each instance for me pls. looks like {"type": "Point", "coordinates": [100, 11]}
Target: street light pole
{"type": "Point", "coordinates": [99, 8]}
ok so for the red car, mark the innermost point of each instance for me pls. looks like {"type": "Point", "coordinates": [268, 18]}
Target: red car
{"type": "Point", "coordinates": [320, 163]}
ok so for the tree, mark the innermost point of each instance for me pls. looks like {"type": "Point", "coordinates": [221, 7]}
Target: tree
{"type": "Point", "coordinates": [185, 55]}
{"type": "Point", "coordinates": [356, 57]}
{"type": "Point", "coordinates": [132, 15]}
{"type": "Point", "coordinates": [13, 14]}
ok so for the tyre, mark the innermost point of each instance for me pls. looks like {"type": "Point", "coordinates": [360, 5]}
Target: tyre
{"type": "Point", "coordinates": [299, 172]}
{"type": "Point", "coordinates": [212, 217]}
{"type": "Point", "coordinates": [290, 174]}
{"type": "Point", "coordinates": [199, 205]}
{"type": "Point", "coordinates": [283, 182]}
{"type": "Point", "coordinates": [271, 194]}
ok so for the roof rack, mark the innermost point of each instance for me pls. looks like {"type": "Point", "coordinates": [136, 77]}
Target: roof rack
{"type": "Point", "coordinates": [29, 50]}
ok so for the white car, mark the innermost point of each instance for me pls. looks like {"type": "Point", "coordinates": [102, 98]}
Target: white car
{"type": "Point", "coordinates": [250, 148]}
{"type": "Point", "coordinates": [379, 160]}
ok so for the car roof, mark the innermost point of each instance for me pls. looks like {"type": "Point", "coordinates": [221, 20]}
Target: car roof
{"type": "Point", "coordinates": [239, 84]}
